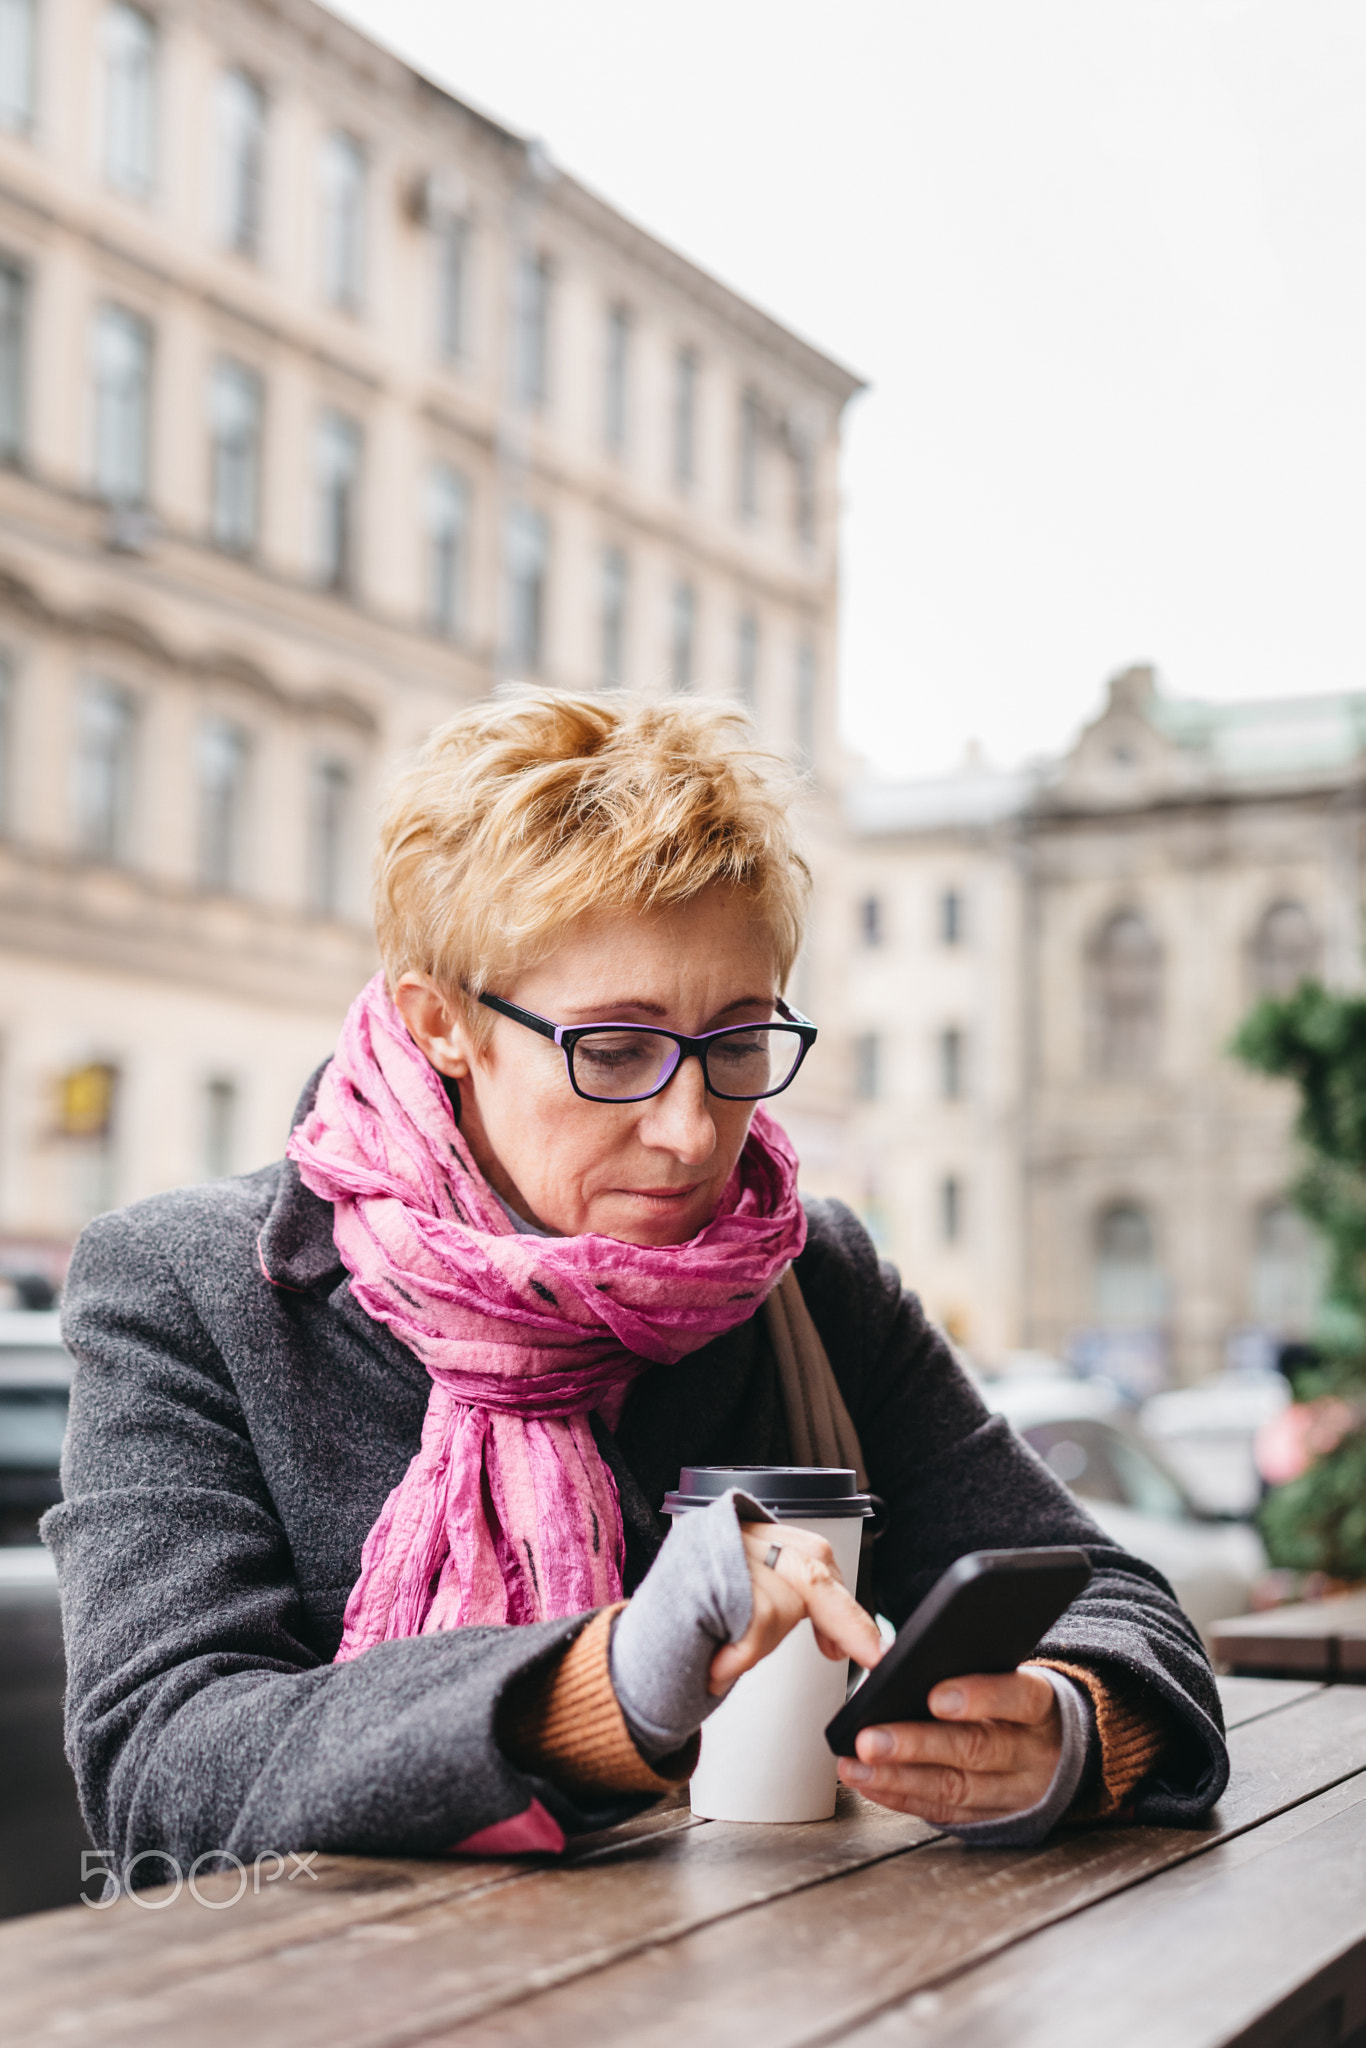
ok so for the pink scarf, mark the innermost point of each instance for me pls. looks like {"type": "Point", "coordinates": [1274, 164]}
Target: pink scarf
{"type": "Point", "coordinates": [507, 1512]}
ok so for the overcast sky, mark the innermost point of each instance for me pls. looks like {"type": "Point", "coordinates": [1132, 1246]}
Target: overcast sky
{"type": "Point", "coordinates": [1104, 264]}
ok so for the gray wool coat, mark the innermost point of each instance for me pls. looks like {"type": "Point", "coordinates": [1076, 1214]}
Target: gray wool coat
{"type": "Point", "coordinates": [237, 1422]}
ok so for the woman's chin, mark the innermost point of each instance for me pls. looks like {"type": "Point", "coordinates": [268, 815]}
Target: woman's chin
{"type": "Point", "coordinates": [653, 1224]}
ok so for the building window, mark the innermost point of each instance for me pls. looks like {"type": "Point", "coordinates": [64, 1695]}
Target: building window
{"type": "Point", "coordinates": [1287, 1271]}
{"type": "Point", "coordinates": [951, 1209]}
{"type": "Point", "coordinates": [527, 562]}
{"type": "Point", "coordinates": [6, 741]}
{"type": "Point", "coordinates": [224, 756]}
{"type": "Point", "coordinates": [89, 1102]}
{"type": "Point", "coordinates": [241, 120]}
{"type": "Point", "coordinates": [952, 1064]}
{"type": "Point", "coordinates": [804, 705]}
{"type": "Point", "coordinates": [616, 396]}
{"type": "Point", "coordinates": [804, 489]}
{"type": "Point", "coordinates": [952, 918]}
{"type": "Point", "coordinates": [685, 419]}
{"type": "Point", "coordinates": [16, 65]}
{"type": "Point", "coordinates": [748, 462]}
{"type": "Point", "coordinates": [329, 836]}
{"type": "Point", "coordinates": [13, 359]}
{"type": "Point", "coordinates": [235, 463]}
{"type": "Point", "coordinates": [451, 236]}
{"type": "Point", "coordinates": [747, 661]}
{"type": "Point", "coordinates": [867, 1066]}
{"type": "Point", "coordinates": [870, 924]}
{"type": "Point", "coordinates": [448, 527]}
{"type": "Point", "coordinates": [220, 1127]}
{"type": "Point", "coordinates": [1126, 977]}
{"type": "Point", "coordinates": [1129, 1294]}
{"type": "Point", "coordinates": [682, 637]}
{"type": "Point", "coordinates": [337, 456]}
{"type": "Point", "coordinates": [106, 738]}
{"type": "Point", "coordinates": [123, 375]}
{"type": "Point", "coordinates": [531, 331]}
{"type": "Point", "coordinates": [1285, 951]}
{"type": "Point", "coordinates": [130, 91]}
{"type": "Point", "coordinates": [615, 595]}
{"type": "Point", "coordinates": [343, 222]}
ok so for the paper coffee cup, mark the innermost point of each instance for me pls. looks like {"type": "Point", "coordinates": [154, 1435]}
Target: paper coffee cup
{"type": "Point", "coordinates": [764, 1753]}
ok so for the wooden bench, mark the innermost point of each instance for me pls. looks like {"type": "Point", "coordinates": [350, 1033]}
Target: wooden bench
{"type": "Point", "coordinates": [1316, 1639]}
{"type": "Point", "coordinates": [867, 1930]}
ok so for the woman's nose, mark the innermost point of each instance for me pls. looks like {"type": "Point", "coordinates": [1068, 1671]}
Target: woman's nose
{"type": "Point", "coordinates": [679, 1120]}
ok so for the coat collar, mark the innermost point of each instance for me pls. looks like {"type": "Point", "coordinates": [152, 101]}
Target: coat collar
{"type": "Point", "coordinates": [295, 1244]}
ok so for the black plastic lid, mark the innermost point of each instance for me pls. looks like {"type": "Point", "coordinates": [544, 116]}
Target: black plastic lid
{"type": "Point", "coordinates": [798, 1492]}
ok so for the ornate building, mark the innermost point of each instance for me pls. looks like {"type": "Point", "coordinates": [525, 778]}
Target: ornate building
{"type": "Point", "coordinates": [325, 404]}
{"type": "Point", "coordinates": [1045, 973]}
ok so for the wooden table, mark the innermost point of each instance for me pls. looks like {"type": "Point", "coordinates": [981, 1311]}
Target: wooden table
{"type": "Point", "coordinates": [867, 1931]}
{"type": "Point", "coordinates": [1316, 1638]}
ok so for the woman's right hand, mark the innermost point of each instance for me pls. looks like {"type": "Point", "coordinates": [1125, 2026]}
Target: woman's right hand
{"type": "Point", "coordinates": [804, 1583]}
{"type": "Point", "coordinates": [711, 1606]}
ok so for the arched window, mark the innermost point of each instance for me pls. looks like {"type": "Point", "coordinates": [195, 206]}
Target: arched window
{"type": "Point", "coordinates": [1287, 1271]}
{"type": "Point", "coordinates": [1285, 950]}
{"type": "Point", "coordinates": [1126, 982]}
{"type": "Point", "coordinates": [1129, 1294]}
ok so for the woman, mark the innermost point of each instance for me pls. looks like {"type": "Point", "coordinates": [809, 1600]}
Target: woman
{"type": "Point", "coordinates": [367, 1449]}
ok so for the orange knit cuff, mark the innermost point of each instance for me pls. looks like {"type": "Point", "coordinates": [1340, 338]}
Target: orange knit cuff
{"type": "Point", "coordinates": [1132, 1739]}
{"type": "Point", "coordinates": [565, 1724]}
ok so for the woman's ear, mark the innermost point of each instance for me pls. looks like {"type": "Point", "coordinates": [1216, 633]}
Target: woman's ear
{"type": "Point", "coordinates": [435, 1025]}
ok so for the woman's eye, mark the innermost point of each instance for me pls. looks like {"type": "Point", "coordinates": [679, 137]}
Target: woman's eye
{"type": "Point", "coordinates": [740, 1052]}
{"type": "Point", "coordinates": [616, 1055]}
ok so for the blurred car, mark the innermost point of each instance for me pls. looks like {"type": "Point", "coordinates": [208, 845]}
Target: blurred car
{"type": "Point", "coordinates": [41, 1831]}
{"type": "Point", "coordinates": [1208, 1432]}
{"type": "Point", "coordinates": [1083, 1435]}
{"type": "Point", "coordinates": [35, 1387]}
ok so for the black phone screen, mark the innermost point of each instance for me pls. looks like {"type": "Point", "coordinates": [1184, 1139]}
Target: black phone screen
{"type": "Point", "coordinates": [987, 1613]}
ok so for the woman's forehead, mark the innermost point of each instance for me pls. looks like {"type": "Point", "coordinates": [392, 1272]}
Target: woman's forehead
{"type": "Point", "coordinates": [716, 952]}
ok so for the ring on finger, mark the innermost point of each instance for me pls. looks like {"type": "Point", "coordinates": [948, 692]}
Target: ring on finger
{"type": "Point", "coordinates": [773, 1554]}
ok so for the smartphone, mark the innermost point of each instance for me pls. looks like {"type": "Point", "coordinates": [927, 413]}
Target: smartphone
{"type": "Point", "coordinates": [986, 1613]}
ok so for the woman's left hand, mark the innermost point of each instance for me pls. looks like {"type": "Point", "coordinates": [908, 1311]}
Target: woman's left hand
{"type": "Point", "coordinates": [991, 1750]}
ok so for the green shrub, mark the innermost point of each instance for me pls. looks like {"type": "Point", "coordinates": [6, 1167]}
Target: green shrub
{"type": "Point", "coordinates": [1318, 1522]}
{"type": "Point", "coordinates": [1318, 1040]}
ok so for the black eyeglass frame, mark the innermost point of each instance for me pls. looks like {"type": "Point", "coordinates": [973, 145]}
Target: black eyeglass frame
{"type": "Point", "coordinates": [567, 1036]}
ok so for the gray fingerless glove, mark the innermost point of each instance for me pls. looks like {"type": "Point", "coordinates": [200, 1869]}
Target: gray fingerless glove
{"type": "Point", "coordinates": [695, 1597]}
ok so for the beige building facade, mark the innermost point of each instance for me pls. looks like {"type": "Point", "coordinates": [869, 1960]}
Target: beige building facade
{"type": "Point", "coordinates": [930, 907]}
{"type": "Point", "coordinates": [1118, 1183]}
{"type": "Point", "coordinates": [326, 404]}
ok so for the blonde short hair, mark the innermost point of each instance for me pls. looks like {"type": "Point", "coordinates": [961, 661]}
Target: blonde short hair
{"type": "Point", "coordinates": [527, 811]}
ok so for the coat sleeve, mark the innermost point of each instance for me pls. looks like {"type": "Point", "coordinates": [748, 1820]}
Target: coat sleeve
{"type": "Point", "coordinates": [198, 1718]}
{"type": "Point", "coordinates": [957, 1478]}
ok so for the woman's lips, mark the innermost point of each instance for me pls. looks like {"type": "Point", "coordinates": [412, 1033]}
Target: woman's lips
{"type": "Point", "coordinates": [662, 1195]}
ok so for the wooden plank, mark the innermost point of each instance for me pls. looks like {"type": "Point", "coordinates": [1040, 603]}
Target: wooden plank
{"type": "Point", "coordinates": [1262, 1942]}
{"type": "Point", "coordinates": [812, 1966]}
{"type": "Point", "coordinates": [1344, 1614]}
{"type": "Point", "coordinates": [1311, 1637]}
{"type": "Point", "coordinates": [441, 1957]}
{"type": "Point", "coordinates": [1279, 1657]}
{"type": "Point", "coordinates": [1247, 1699]}
{"type": "Point", "coordinates": [397, 1973]}
{"type": "Point", "coordinates": [113, 1952]}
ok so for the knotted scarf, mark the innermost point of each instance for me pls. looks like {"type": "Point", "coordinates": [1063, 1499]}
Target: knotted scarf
{"type": "Point", "coordinates": [507, 1512]}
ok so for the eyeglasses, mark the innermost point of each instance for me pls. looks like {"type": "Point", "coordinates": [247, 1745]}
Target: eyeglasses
{"type": "Point", "coordinates": [632, 1062]}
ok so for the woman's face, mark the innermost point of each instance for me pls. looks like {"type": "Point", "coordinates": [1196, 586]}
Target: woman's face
{"type": "Point", "coordinates": [649, 1173]}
